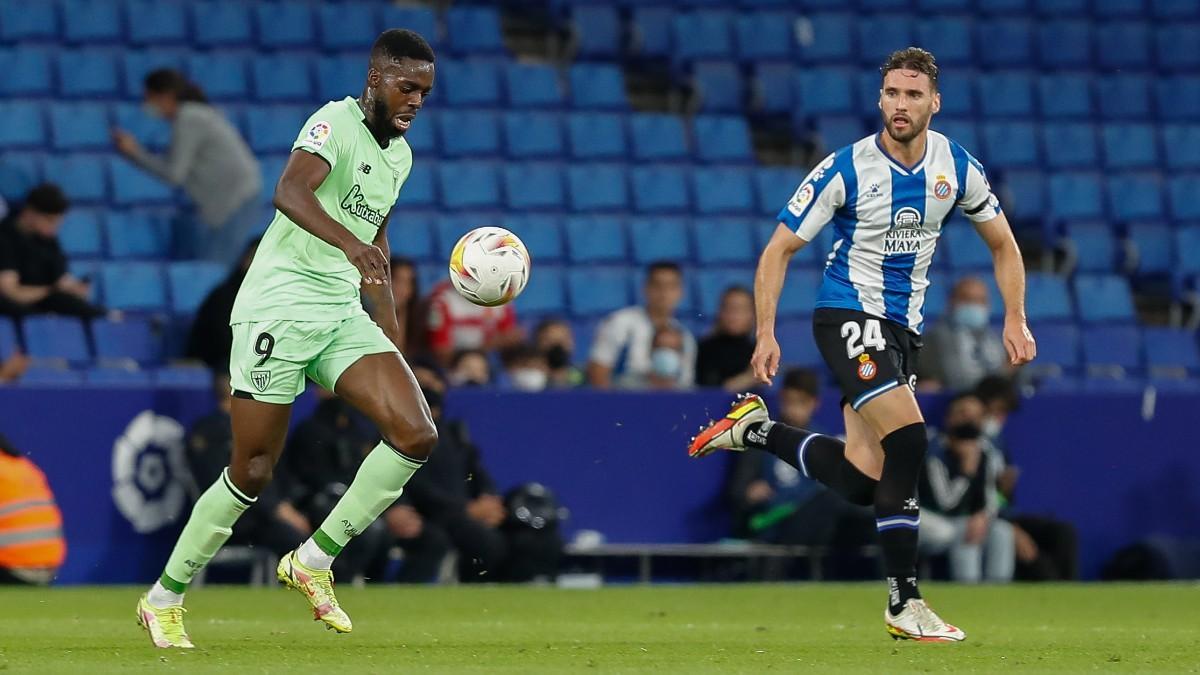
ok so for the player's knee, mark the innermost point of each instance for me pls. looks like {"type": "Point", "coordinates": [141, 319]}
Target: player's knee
{"type": "Point", "coordinates": [252, 478]}
{"type": "Point", "coordinates": [417, 441]}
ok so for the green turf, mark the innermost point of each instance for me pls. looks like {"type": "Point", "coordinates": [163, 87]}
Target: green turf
{"type": "Point", "coordinates": [685, 629]}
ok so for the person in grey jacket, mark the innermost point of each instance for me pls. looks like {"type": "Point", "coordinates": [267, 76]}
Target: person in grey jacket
{"type": "Point", "coordinates": [209, 160]}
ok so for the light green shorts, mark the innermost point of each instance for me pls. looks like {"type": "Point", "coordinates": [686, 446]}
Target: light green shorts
{"type": "Point", "coordinates": [270, 358]}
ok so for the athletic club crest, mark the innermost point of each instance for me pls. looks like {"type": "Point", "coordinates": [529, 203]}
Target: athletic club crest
{"type": "Point", "coordinates": [942, 189]}
{"type": "Point", "coordinates": [260, 378]}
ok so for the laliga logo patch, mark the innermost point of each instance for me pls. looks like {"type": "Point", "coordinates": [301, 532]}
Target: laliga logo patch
{"type": "Point", "coordinates": [149, 472]}
{"type": "Point", "coordinates": [942, 189]}
{"type": "Point", "coordinates": [866, 368]}
{"type": "Point", "coordinates": [801, 199]}
{"type": "Point", "coordinates": [317, 134]}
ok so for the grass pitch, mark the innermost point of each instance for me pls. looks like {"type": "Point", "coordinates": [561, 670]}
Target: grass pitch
{"type": "Point", "coordinates": [684, 629]}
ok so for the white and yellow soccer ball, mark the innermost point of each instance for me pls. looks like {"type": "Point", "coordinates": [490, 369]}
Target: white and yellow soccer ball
{"type": "Point", "coordinates": [489, 266]}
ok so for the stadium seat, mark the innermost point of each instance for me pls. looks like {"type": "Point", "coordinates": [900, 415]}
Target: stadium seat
{"type": "Point", "coordinates": [718, 87]}
{"type": "Point", "coordinates": [182, 377]}
{"type": "Point", "coordinates": [468, 185]}
{"type": "Point", "coordinates": [1104, 298]}
{"type": "Point", "coordinates": [117, 376]}
{"type": "Point", "coordinates": [132, 338]}
{"type": "Point", "coordinates": [773, 92]}
{"type": "Point", "coordinates": [1124, 96]}
{"type": "Point", "coordinates": [533, 135]}
{"type": "Point", "coordinates": [415, 240]}
{"type": "Point", "coordinates": [136, 64]}
{"type": "Point", "coordinates": [190, 282]}
{"type": "Point", "coordinates": [1047, 298]}
{"type": "Point", "coordinates": [224, 23]}
{"type": "Point", "coordinates": [1113, 350]}
{"type": "Point", "coordinates": [1170, 352]}
{"type": "Point", "coordinates": [598, 290]}
{"type": "Point", "coordinates": [597, 30]}
{"type": "Point", "coordinates": [544, 295]}
{"type": "Point", "coordinates": [133, 186]}
{"type": "Point", "coordinates": [1010, 144]}
{"type": "Point", "coordinates": [1061, 7]}
{"type": "Point", "coordinates": [826, 91]}
{"type": "Point", "coordinates": [721, 139]}
{"type": "Point", "coordinates": [474, 30]}
{"type": "Point", "coordinates": [534, 186]}
{"type": "Point", "coordinates": [339, 76]}
{"type": "Point", "coordinates": [723, 190]}
{"type": "Point", "coordinates": [954, 86]}
{"type": "Point", "coordinates": [79, 234]}
{"type": "Point", "coordinates": [420, 189]}
{"type": "Point", "coordinates": [137, 234]}
{"type": "Point", "coordinates": [704, 34]}
{"type": "Point", "coordinates": [155, 22]}
{"type": "Point", "coordinates": [347, 26]}
{"type": "Point", "coordinates": [88, 73]}
{"type": "Point", "coordinates": [1134, 40]}
{"type": "Point", "coordinates": [597, 187]}
{"type": "Point", "coordinates": [151, 132]}
{"type": "Point", "coordinates": [133, 286]}
{"type": "Point", "coordinates": [651, 29]}
{"type": "Point", "coordinates": [1177, 47]}
{"type": "Point", "coordinates": [775, 186]}
{"type": "Point", "coordinates": [56, 337]}
{"type": "Point", "coordinates": [724, 241]}
{"type": "Point", "coordinates": [24, 126]}
{"type": "Point", "coordinates": [711, 283]}
{"type": "Point", "coordinates": [27, 71]}
{"type": "Point", "coordinates": [1065, 96]}
{"type": "Point", "coordinates": [19, 172]}
{"type": "Point", "coordinates": [468, 133]}
{"type": "Point", "coordinates": [882, 34]}
{"type": "Point", "coordinates": [1129, 146]}
{"type": "Point", "coordinates": [799, 295]}
{"type": "Point", "coordinates": [796, 341]}
{"type": "Point", "coordinates": [597, 86]}
{"type": "Point", "coordinates": [597, 136]}
{"type": "Point", "coordinates": [541, 233]}
{"type": "Point", "coordinates": [962, 132]}
{"type": "Point", "coordinates": [1187, 242]}
{"type": "Point", "coordinates": [949, 37]}
{"type": "Point", "coordinates": [1076, 195]}
{"type": "Point", "coordinates": [965, 249]}
{"type": "Point", "coordinates": [8, 338]}
{"type": "Point", "coordinates": [1058, 349]}
{"type": "Point", "coordinates": [1065, 43]}
{"type": "Point", "coordinates": [1181, 194]}
{"type": "Point", "coordinates": [20, 21]}
{"type": "Point", "coordinates": [273, 129]}
{"type": "Point", "coordinates": [83, 177]}
{"type": "Point", "coordinates": [282, 77]}
{"type": "Point", "coordinates": [423, 20]}
{"type": "Point", "coordinates": [659, 189]}
{"type": "Point", "coordinates": [1175, 9]}
{"type": "Point", "coordinates": [87, 21]}
{"type": "Point", "coordinates": [1009, 94]}
{"type": "Point", "coordinates": [838, 131]}
{"type": "Point", "coordinates": [222, 75]}
{"type": "Point", "coordinates": [659, 238]}
{"type": "Point", "coordinates": [284, 24]}
{"type": "Point", "coordinates": [1070, 145]}
{"type": "Point", "coordinates": [765, 35]}
{"type": "Point", "coordinates": [1136, 196]}
{"type": "Point", "coordinates": [1093, 246]}
{"type": "Point", "coordinates": [1009, 43]}
{"type": "Point", "coordinates": [1118, 8]}
{"type": "Point", "coordinates": [1178, 98]}
{"type": "Point", "coordinates": [470, 83]}
{"type": "Point", "coordinates": [530, 85]}
{"type": "Point", "coordinates": [1182, 145]}
{"type": "Point", "coordinates": [657, 137]}
{"type": "Point", "coordinates": [1152, 248]}
{"type": "Point", "coordinates": [833, 39]}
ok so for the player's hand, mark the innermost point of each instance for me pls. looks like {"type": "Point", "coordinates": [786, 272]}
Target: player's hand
{"type": "Point", "coordinates": [403, 521]}
{"type": "Point", "coordinates": [977, 527]}
{"type": "Point", "coordinates": [758, 492]}
{"type": "Point", "coordinates": [125, 142]}
{"type": "Point", "coordinates": [288, 514]}
{"type": "Point", "coordinates": [1018, 341]}
{"type": "Point", "coordinates": [369, 260]}
{"type": "Point", "coordinates": [487, 509]}
{"type": "Point", "coordinates": [765, 361]}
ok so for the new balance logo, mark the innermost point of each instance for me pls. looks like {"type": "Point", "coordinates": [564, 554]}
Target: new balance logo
{"type": "Point", "coordinates": [365, 168]}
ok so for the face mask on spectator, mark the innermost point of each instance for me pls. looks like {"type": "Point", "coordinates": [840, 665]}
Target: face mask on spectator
{"type": "Point", "coordinates": [557, 357]}
{"type": "Point", "coordinates": [528, 379]}
{"type": "Point", "coordinates": [666, 363]}
{"type": "Point", "coordinates": [967, 431]}
{"type": "Point", "coordinates": [971, 315]}
{"type": "Point", "coordinates": [991, 427]}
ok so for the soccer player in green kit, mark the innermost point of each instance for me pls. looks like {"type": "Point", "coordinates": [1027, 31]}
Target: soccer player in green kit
{"type": "Point", "coordinates": [299, 313]}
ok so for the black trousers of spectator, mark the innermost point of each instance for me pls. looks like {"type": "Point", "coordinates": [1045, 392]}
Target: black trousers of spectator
{"type": "Point", "coordinates": [259, 528]}
{"type": "Point", "coordinates": [1058, 549]}
{"type": "Point", "coordinates": [482, 550]}
{"type": "Point", "coordinates": [423, 556]}
{"type": "Point", "coordinates": [55, 303]}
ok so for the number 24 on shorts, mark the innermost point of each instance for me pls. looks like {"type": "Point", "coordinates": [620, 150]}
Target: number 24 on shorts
{"type": "Point", "coordinates": [858, 340]}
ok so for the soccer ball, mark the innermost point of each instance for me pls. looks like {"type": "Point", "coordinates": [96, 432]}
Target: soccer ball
{"type": "Point", "coordinates": [489, 266]}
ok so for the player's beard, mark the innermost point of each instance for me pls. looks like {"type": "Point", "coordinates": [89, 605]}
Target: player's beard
{"type": "Point", "coordinates": [916, 127]}
{"type": "Point", "coordinates": [381, 118]}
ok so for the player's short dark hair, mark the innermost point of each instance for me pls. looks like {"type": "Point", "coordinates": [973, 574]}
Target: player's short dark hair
{"type": "Point", "coordinates": [663, 266]}
{"type": "Point", "coordinates": [49, 199]}
{"type": "Point", "coordinates": [802, 380]}
{"type": "Point", "coordinates": [912, 58]}
{"type": "Point", "coordinates": [400, 43]}
{"type": "Point", "coordinates": [1001, 388]}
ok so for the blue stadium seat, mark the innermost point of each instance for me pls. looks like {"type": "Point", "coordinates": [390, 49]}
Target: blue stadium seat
{"type": "Point", "coordinates": [597, 291]}
{"type": "Point", "coordinates": [597, 30]}
{"type": "Point", "coordinates": [1182, 144]}
{"type": "Point", "coordinates": [273, 129]}
{"type": "Point", "coordinates": [597, 136]}
{"type": "Point", "coordinates": [1058, 348]}
{"type": "Point", "coordinates": [136, 64]}
{"type": "Point", "coordinates": [954, 86]}
{"type": "Point", "coordinates": [1134, 40]}
{"type": "Point", "coordinates": [1124, 96]}
{"type": "Point", "coordinates": [420, 189]}
{"type": "Point", "coordinates": [155, 22]}
{"type": "Point", "coordinates": [423, 20]}
{"type": "Point", "coordinates": [83, 126]}
{"type": "Point", "coordinates": [1170, 351]}
{"type": "Point", "coordinates": [134, 286]}
{"type": "Point", "coordinates": [721, 139]}
{"type": "Point", "coordinates": [1118, 8]}
{"type": "Point", "coordinates": [796, 340]}
{"type": "Point", "coordinates": [1028, 188]}
{"type": "Point", "coordinates": [704, 34]}
{"type": "Point", "coordinates": [826, 91]}
{"type": "Point", "coordinates": [1065, 96]}
{"type": "Point", "coordinates": [596, 239]}
{"type": "Point", "coordinates": [181, 377]}
{"type": "Point", "coordinates": [1136, 196]}
{"type": "Point", "coordinates": [962, 132]}
{"type": "Point", "coordinates": [1115, 350]}
{"type": "Point", "coordinates": [799, 295]}
{"type": "Point", "coordinates": [1065, 43]}
{"type": "Point", "coordinates": [24, 126]}
{"type": "Point", "coordinates": [534, 185]}
{"type": "Point", "coordinates": [1008, 94]}
{"type": "Point", "coordinates": [152, 132]}
{"type": "Point", "coordinates": [474, 30]}
{"type": "Point", "coordinates": [86, 21]}
{"type": "Point", "coordinates": [657, 137]}
{"type": "Point", "coordinates": [833, 39]}
{"type": "Point", "coordinates": [133, 338]}
{"type": "Point", "coordinates": [347, 26]}
{"type": "Point", "coordinates": [838, 131]}
{"type": "Point", "coordinates": [56, 337]}
{"type": "Point", "coordinates": [1154, 248]}
{"type": "Point", "coordinates": [1076, 195]}
{"type": "Point", "coordinates": [8, 338]}
{"type": "Point", "coordinates": [965, 248]}
{"type": "Point", "coordinates": [775, 186]}
{"type": "Point", "coordinates": [282, 77]}
{"type": "Point", "coordinates": [1070, 145]}
{"type": "Point", "coordinates": [27, 21]}
{"type": "Point", "coordinates": [882, 34]}
{"type": "Point", "coordinates": [651, 28]}
{"type": "Point", "coordinates": [1009, 42]}
{"type": "Point", "coordinates": [773, 93]}
{"type": "Point", "coordinates": [88, 72]}
{"type": "Point", "coordinates": [83, 177]}
{"type": "Point", "coordinates": [1176, 47]}
{"type": "Point", "coordinates": [1175, 9]}
{"type": "Point", "coordinates": [415, 240]}
{"type": "Point", "coordinates": [1129, 146]}
{"type": "Point", "coordinates": [340, 76]}
{"type": "Point", "coordinates": [190, 282]}
{"type": "Point", "coordinates": [117, 376]}
{"type": "Point", "coordinates": [765, 35]}
{"type": "Point", "coordinates": [531, 85]}
{"type": "Point", "coordinates": [711, 283]}
{"type": "Point", "coordinates": [1061, 7]}
{"type": "Point", "coordinates": [1178, 98]}
{"type": "Point", "coordinates": [469, 133]}
{"type": "Point", "coordinates": [949, 37]}
{"type": "Point", "coordinates": [541, 233]}
{"type": "Point", "coordinates": [225, 23]}
{"type": "Point", "coordinates": [1047, 298]}
{"type": "Point", "coordinates": [718, 86]}
{"type": "Point", "coordinates": [1187, 264]}
{"type": "Point", "coordinates": [137, 234]}
{"type": "Point", "coordinates": [19, 172]}
{"type": "Point", "coordinates": [79, 234]}
{"type": "Point", "coordinates": [597, 187]}
{"type": "Point", "coordinates": [659, 238]}
{"type": "Point", "coordinates": [884, 5]}
{"type": "Point", "coordinates": [1104, 298]}
{"type": "Point", "coordinates": [1010, 145]}
{"type": "Point", "coordinates": [1181, 193]}
{"type": "Point", "coordinates": [659, 189]}
{"type": "Point", "coordinates": [284, 24]}
{"type": "Point", "coordinates": [468, 185]}
{"type": "Point", "coordinates": [724, 241]}
{"type": "Point", "coordinates": [544, 296]}
{"type": "Point", "coordinates": [450, 227]}
{"type": "Point", "coordinates": [1094, 247]}
{"type": "Point", "coordinates": [532, 135]}
{"type": "Point", "coordinates": [26, 71]}
{"type": "Point", "coordinates": [470, 83]}
{"type": "Point", "coordinates": [723, 190]}
{"type": "Point", "coordinates": [222, 75]}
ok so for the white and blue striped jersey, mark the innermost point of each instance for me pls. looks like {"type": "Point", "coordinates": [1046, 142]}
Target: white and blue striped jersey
{"type": "Point", "coordinates": [886, 219]}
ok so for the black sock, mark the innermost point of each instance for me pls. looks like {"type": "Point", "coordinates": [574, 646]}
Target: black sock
{"type": "Point", "coordinates": [822, 458]}
{"type": "Point", "coordinates": [897, 512]}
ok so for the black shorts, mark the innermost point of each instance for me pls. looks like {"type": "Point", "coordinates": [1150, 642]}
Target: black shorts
{"type": "Point", "coordinates": [868, 355]}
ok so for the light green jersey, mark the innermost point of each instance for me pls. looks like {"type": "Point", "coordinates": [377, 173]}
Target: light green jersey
{"type": "Point", "coordinates": [296, 276]}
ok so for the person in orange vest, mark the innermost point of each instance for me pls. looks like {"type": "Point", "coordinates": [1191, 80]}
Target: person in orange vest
{"type": "Point", "coordinates": [32, 547]}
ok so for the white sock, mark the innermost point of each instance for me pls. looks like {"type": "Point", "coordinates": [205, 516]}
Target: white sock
{"type": "Point", "coordinates": [161, 598]}
{"type": "Point", "coordinates": [313, 557]}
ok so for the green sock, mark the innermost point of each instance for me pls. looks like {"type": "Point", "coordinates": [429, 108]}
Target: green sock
{"type": "Point", "coordinates": [377, 485]}
{"type": "Point", "coordinates": [206, 531]}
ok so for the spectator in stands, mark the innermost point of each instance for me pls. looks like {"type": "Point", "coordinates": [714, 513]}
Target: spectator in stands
{"type": "Point", "coordinates": [627, 335]}
{"type": "Point", "coordinates": [33, 268]}
{"type": "Point", "coordinates": [32, 547]}
{"type": "Point", "coordinates": [667, 357]}
{"type": "Point", "coordinates": [210, 338]}
{"type": "Point", "coordinates": [454, 324]}
{"type": "Point", "coordinates": [470, 368]}
{"type": "Point", "coordinates": [209, 160]}
{"type": "Point", "coordinates": [406, 292]}
{"type": "Point", "coordinates": [963, 349]}
{"type": "Point", "coordinates": [959, 510]}
{"type": "Point", "coordinates": [525, 368]}
{"type": "Point", "coordinates": [555, 340]}
{"type": "Point", "coordinates": [723, 359]}
{"type": "Point", "coordinates": [273, 522]}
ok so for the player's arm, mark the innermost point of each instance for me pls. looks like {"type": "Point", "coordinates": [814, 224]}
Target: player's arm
{"type": "Point", "coordinates": [768, 284]}
{"type": "Point", "coordinates": [380, 303]}
{"type": "Point", "coordinates": [295, 197]}
{"type": "Point", "coordinates": [1010, 277]}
